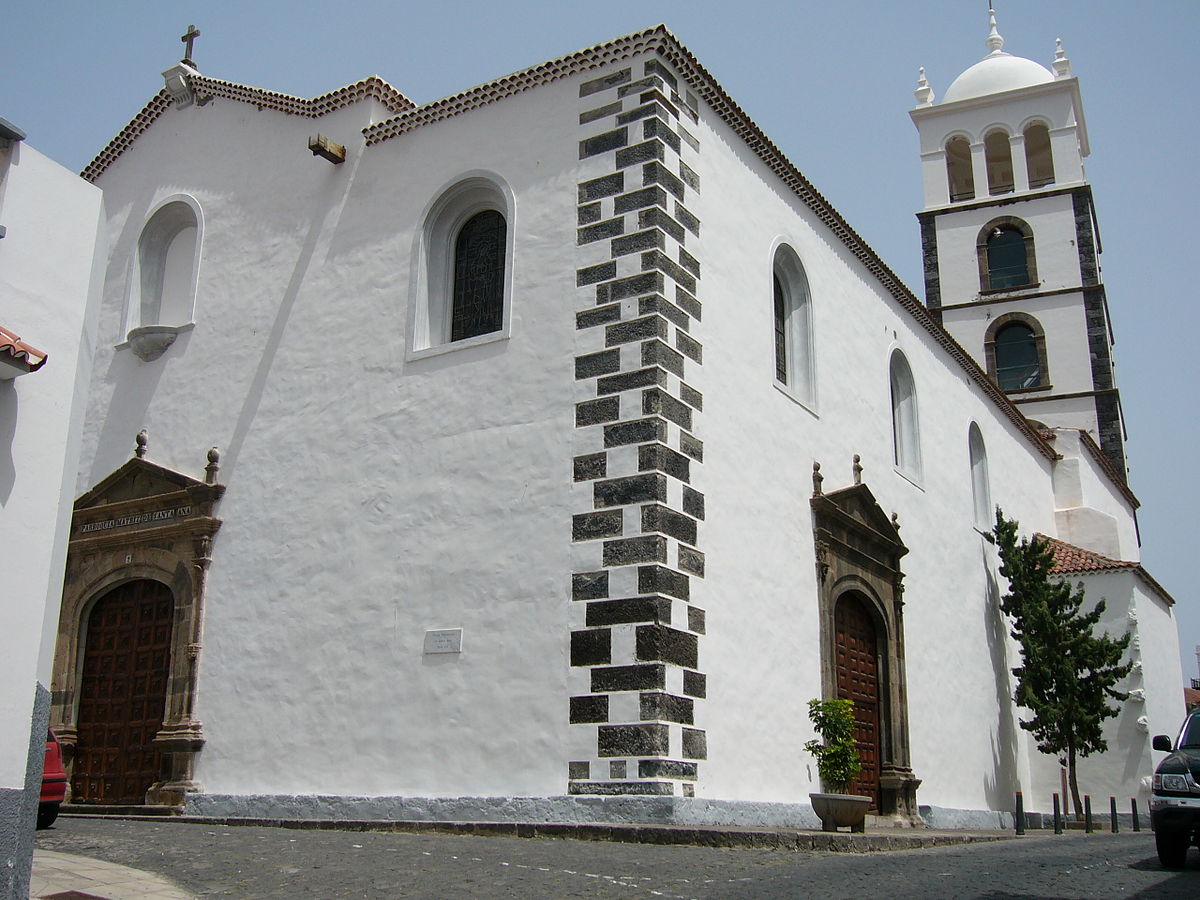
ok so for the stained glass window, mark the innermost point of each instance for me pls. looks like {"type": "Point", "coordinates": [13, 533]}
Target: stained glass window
{"type": "Point", "coordinates": [478, 303]}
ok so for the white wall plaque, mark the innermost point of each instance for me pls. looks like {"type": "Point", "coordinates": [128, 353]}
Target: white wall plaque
{"type": "Point", "coordinates": [445, 640]}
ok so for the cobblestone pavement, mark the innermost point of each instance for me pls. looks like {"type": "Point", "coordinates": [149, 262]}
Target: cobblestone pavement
{"type": "Point", "coordinates": [254, 862]}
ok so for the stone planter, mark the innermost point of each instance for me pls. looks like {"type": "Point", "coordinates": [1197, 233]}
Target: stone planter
{"type": "Point", "coordinates": [841, 810]}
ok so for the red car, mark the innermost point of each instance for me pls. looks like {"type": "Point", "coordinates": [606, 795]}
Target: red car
{"type": "Point", "coordinates": [54, 783]}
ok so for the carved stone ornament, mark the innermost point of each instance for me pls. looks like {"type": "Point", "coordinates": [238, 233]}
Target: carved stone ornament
{"type": "Point", "coordinates": [151, 341]}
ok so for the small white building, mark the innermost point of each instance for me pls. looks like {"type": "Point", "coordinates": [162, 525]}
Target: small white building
{"type": "Point", "coordinates": [52, 258]}
{"type": "Point", "coordinates": [569, 442]}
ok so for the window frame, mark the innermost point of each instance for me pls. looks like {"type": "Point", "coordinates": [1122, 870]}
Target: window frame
{"type": "Point", "coordinates": [1030, 151]}
{"type": "Point", "coordinates": [981, 252]}
{"type": "Point", "coordinates": [981, 486]}
{"type": "Point", "coordinates": [181, 314]}
{"type": "Point", "coordinates": [967, 165]}
{"type": "Point", "coordinates": [796, 328]}
{"type": "Point", "coordinates": [1039, 338]}
{"type": "Point", "coordinates": [905, 416]}
{"type": "Point", "coordinates": [431, 292]}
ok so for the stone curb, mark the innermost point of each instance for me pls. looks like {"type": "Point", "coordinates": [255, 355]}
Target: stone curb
{"type": "Point", "coordinates": [700, 836]}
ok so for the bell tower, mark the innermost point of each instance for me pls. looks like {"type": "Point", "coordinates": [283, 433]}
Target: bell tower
{"type": "Point", "coordinates": [1010, 241]}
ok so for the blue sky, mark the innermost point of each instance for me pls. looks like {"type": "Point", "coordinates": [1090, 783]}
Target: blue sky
{"type": "Point", "coordinates": [830, 82]}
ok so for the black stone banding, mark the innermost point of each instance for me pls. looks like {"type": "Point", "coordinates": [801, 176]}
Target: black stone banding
{"type": "Point", "coordinates": [590, 465]}
{"type": "Point", "coordinates": [600, 112]}
{"type": "Point", "coordinates": [658, 518]}
{"type": "Point", "coordinates": [659, 643]}
{"type": "Point", "coordinates": [691, 396]}
{"type": "Point", "coordinates": [662, 458]}
{"type": "Point", "coordinates": [656, 173]}
{"type": "Point", "coordinates": [598, 232]}
{"type": "Point", "coordinates": [657, 303]}
{"type": "Point", "coordinates": [646, 197]}
{"type": "Point", "coordinates": [593, 412]}
{"type": "Point", "coordinates": [589, 213]}
{"type": "Point", "coordinates": [631, 489]}
{"type": "Point", "coordinates": [639, 241]}
{"type": "Point", "coordinates": [688, 303]}
{"type": "Point", "coordinates": [645, 110]}
{"type": "Point", "coordinates": [592, 647]}
{"type": "Point", "coordinates": [656, 705]}
{"type": "Point", "coordinates": [577, 771]}
{"type": "Point", "coordinates": [643, 152]}
{"type": "Point", "coordinates": [686, 219]}
{"type": "Point", "coordinates": [653, 66]}
{"type": "Point", "coordinates": [601, 315]}
{"type": "Point", "coordinates": [654, 95]}
{"type": "Point", "coordinates": [602, 143]}
{"type": "Point", "coordinates": [642, 283]}
{"type": "Point", "coordinates": [695, 744]}
{"type": "Point", "coordinates": [605, 82]}
{"type": "Point", "coordinates": [593, 525]}
{"type": "Point", "coordinates": [656, 259]}
{"type": "Point", "coordinates": [629, 678]}
{"type": "Point", "coordinates": [622, 788]}
{"type": "Point", "coordinates": [661, 580]}
{"type": "Point", "coordinates": [638, 431]}
{"type": "Point", "coordinates": [630, 551]}
{"type": "Point", "coordinates": [603, 363]}
{"type": "Point", "coordinates": [667, 768]}
{"type": "Point", "coordinates": [636, 87]}
{"type": "Point", "coordinates": [629, 609]}
{"type": "Point", "coordinates": [645, 739]}
{"type": "Point", "coordinates": [689, 262]}
{"type": "Point", "coordinates": [589, 585]}
{"type": "Point", "coordinates": [689, 347]}
{"type": "Point", "coordinates": [605, 186]}
{"type": "Point", "coordinates": [656, 353]}
{"type": "Point", "coordinates": [693, 502]}
{"type": "Point", "coordinates": [640, 329]}
{"type": "Point", "coordinates": [628, 381]}
{"type": "Point", "coordinates": [654, 217]}
{"type": "Point", "coordinates": [696, 619]}
{"type": "Point", "coordinates": [657, 402]}
{"type": "Point", "coordinates": [692, 446]}
{"type": "Point", "coordinates": [592, 708]}
{"type": "Point", "coordinates": [695, 684]}
{"type": "Point", "coordinates": [657, 128]}
{"type": "Point", "coordinates": [691, 560]}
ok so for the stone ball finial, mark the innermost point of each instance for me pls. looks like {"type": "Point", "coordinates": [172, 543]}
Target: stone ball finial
{"type": "Point", "coordinates": [141, 441]}
{"type": "Point", "coordinates": [214, 465]}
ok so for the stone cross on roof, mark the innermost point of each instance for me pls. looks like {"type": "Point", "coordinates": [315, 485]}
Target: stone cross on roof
{"type": "Point", "coordinates": [192, 33]}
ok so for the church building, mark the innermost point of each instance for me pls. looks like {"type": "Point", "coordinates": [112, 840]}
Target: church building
{"type": "Point", "coordinates": [537, 453]}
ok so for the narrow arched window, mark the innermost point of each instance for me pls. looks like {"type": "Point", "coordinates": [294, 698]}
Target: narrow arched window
{"type": "Point", "coordinates": [905, 431]}
{"type": "Point", "coordinates": [166, 267]}
{"type": "Point", "coordinates": [478, 303]}
{"type": "Point", "coordinates": [793, 325]}
{"type": "Point", "coordinates": [1007, 258]}
{"type": "Point", "coordinates": [1017, 359]}
{"type": "Point", "coordinates": [1039, 161]}
{"type": "Point", "coordinates": [998, 153]}
{"type": "Point", "coordinates": [981, 490]}
{"type": "Point", "coordinates": [959, 171]}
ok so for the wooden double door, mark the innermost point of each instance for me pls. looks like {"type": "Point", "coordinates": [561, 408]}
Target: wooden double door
{"type": "Point", "coordinates": [857, 673]}
{"type": "Point", "coordinates": [126, 662]}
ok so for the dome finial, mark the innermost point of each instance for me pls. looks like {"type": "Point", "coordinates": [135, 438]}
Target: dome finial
{"type": "Point", "coordinates": [924, 93]}
{"type": "Point", "coordinates": [1062, 65]}
{"type": "Point", "coordinates": [995, 43]}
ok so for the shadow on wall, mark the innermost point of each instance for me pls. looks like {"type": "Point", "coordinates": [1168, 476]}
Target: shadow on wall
{"type": "Point", "coordinates": [8, 432]}
{"type": "Point", "coordinates": [134, 385]}
{"type": "Point", "coordinates": [1001, 783]}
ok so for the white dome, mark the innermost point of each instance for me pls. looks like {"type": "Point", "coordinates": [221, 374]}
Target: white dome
{"type": "Point", "coordinates": [996, 72]}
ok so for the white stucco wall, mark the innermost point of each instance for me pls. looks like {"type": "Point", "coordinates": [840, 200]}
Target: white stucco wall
{"type": "Point", "coordinates": [1091, 511]}
{"type": "Point", "coordinates": [50, 283]}
{"type": "Point", "coordinates": [762, 649]}
{"type": "Point", "coordinates": [369, 498]}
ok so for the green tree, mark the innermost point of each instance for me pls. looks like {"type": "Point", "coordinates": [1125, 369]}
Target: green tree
{"type": "Point", "coordinates": [1067, 672]}
{"type": "Point", "coordinates": [837, 757]}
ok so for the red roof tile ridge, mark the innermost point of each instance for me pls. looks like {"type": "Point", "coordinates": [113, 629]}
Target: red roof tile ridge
{"type": "Point", "coordinates": [13, 346]}
{"type": "Point", "coordinates": [372, 87]}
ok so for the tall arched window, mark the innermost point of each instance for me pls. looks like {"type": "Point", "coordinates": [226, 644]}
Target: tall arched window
{"type": "Point", "coordinates": [959, 170]}
{"type": "Point", "coordinates": [1015, 349]}
{"type": "Point", "coordinates": [793, 325]}
{"type": "Point", "coordinates": [1039, 161]}
{"type": "Point", "coordinates": [164, 279]}
{"type": "Point", "coordinates": [463, 285]}
{"type": "Point", "coordinates": [1017, 364]}
{"type": "Point", "coordinates": [998, 153]}
{"type": "Point", "coordinates": [478, 304]}
{"type": "Point", "coordinates": [1006, 255]}
{"type": "Point", "coordinates": [981, 490]}
{"type": "Point", "coordinates": [906, 441]}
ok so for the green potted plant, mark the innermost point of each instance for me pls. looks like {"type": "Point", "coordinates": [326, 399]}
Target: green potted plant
{"type": "Point", "coordinates": [838, 764]}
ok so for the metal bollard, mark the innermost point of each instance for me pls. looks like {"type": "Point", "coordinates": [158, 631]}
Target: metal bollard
{"type": "Point", "coordinates": [1057, 816]}
{"type": "Point", "coordinates": [1137, 826]}
{"type": "Point", "coordinates": [1112, 813]}
{"type": "Point", "coordinates": [1087, 813]}
{"type": "Point", "coordinates": [1020, 813]}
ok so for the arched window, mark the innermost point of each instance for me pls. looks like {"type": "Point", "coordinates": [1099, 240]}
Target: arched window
{"type": "Point", "coordinates": [793, 325]}
{"type": "Point", "coordinates": [959, 171]}
{"type": "Point", "coordinates": [1017, 357]}
{"type": "Point", "coordinates": [478, 303]}
{"type": "Point", "coordinates": [164, 286]}
{"type": "Point", "coordinates": [998, 153]}
{"type": "Point", "coordinates": [1006, 258]}
{"type": "Point", "coordinates": [463, 286]}
{"type": "Point", "coordinates": [1039, 161]}
{"type": "Point", "coordinates": [1015, 348]}
{"type": "Point", "coordinates": [981, 490]}
{"type": "Point", "coordinates": [905, 428]}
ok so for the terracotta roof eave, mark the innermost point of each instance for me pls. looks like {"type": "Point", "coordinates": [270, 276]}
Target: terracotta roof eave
{"type": "Point", "coordinates": [24, 353]}
{"type": "Point", "coordinates": [372, 87]}
{"type": "Point", "coordinates": [660, 40]}
{"type": "Point", "coordinates": [1072, 560]}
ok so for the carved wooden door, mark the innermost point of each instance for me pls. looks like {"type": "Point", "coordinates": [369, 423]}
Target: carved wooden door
{"type": "Point", "coordinates": [123, 694]}
{"type": "Point", "coordinates": [858, 680]}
